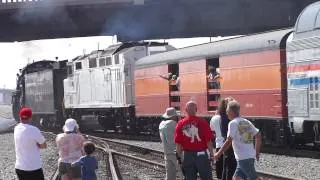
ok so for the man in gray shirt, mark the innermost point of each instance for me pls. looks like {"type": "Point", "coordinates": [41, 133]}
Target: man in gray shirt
{"type": "Point", "coordinates": [166, 130]}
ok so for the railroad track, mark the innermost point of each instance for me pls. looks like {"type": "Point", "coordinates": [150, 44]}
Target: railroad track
{"type": "Point", "coordinates": [303, 151]}
{"type": "Point", "coordinates": [157, 156]}
{"type": "Point", "coordinates": [5, 116]}
{"type": "Point", "coordinates": [114, 135]}
{"type": "Point", "coordinates": [299, 151]}
{"type": "Point", "coordinates": [126, 160]}
{"type": "Point", "coordinates": [56, 175]}
{"type": "Point", "coordinates": [125, 165]}
{"type": "Point", "coordinates": [271, 176]}
{"type": "Point", "coordinates": [122, 164]}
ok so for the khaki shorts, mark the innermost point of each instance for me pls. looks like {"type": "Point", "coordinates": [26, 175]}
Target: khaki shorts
{"type": "Point", "coordinates": [65, 168]}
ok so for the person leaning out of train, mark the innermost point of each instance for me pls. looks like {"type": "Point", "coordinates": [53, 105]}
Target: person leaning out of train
{"type": "Point", "coordinates": [241, 134]}
{"type": "Point", "coordinates": [166, 131]}
{"type": "Point", "coordinates": [175, 81]}
{"type": "Point", "coordinates": [226, 164]}
{"type": "Point", "coordinates": [210, 77]}
{"type": "Point", "coordinates": [193, 138]}
{"type": "Point", "coordinates": [70, 144]}
{"type": "Point", "coordinates": [167, 76]}
{"type": "Point", "coordinates": [28, 141]}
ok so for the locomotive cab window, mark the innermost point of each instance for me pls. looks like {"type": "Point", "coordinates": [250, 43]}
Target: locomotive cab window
{"type": "Point", "coordinates": [92, 63]}
{"type": "Point", "coordinates": [70, 70]}
{"type": "Point", "coordinates": [108, 61]}
{"type": "Point", "coordinates": [78, 65]}
{"type": "Point", "coordinates": [102, 62]}
{"type": "Point", "coordinates": [116, 59]}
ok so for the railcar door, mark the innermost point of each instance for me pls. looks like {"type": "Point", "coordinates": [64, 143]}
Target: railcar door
{"type": "Point", "coordinates": [213, 83]}
{"type": "Point", "coordinates": [174, 86]}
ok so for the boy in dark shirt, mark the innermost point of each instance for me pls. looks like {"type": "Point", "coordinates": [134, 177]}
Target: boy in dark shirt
{"type": "Point", "coordinates": [88, 162]}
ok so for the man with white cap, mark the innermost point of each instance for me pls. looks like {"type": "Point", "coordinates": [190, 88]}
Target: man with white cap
{"type": "Point", "coordinates": [69, 144]}
{"type": "Point", "coordinates": [166, 130]}
{"type": "Point", "coordinates": [28, 142]}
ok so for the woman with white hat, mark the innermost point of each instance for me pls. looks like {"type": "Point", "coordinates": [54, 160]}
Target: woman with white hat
{"type": "Point", "coordinates": [69, 144]}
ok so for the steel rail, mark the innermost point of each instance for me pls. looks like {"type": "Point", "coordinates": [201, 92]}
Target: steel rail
{"type": "Point", "coordinates": [144, 150]}
{"type": "Point", "coordinates": [106, 149]}
{"type": "Point", "coordinates": [56, 175]}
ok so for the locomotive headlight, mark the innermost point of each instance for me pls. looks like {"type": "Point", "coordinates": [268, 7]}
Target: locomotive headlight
{"type": "Point", "coordinates": [128, 120]}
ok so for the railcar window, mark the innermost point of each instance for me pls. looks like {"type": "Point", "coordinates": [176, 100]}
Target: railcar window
{"type": "Point", "coordinates": [78, 65]}
{"type": "Point", "coordinates": [307, 19]}
{"type": "Point", "coordinates": [314, 93]}
{"type": "Point", "coordinates": [92, 63]}
{"type": "Point", "coordinates": [102, 62]}
{"type": "Point", "coordinates": [108, 61]}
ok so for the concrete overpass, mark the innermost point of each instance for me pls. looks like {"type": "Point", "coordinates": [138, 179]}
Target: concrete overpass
{"type": "Point", "coordinates": [143, 19]}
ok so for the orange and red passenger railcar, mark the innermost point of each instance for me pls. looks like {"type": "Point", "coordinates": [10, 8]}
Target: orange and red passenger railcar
{"type": "Point", "coordinates": [253, 71]}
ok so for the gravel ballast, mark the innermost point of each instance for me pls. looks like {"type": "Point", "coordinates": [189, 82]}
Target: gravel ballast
{"type": "Point", "coordinates": [7, 158]}
{"type": "Point", "coordinates": [296, 167]}
{"type": "Point", "coordinates": [49, 158]}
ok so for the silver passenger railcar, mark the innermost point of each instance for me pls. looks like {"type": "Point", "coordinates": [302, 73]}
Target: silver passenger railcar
{"type": "Point", "coordinates": [303, 72]}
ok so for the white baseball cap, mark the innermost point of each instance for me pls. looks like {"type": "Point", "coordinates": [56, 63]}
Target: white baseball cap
{"type": "Point", "coordinates": [70, 125]}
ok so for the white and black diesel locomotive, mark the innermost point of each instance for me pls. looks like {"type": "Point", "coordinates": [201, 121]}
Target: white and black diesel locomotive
{"type": "Point", "coordinates": [97, 89]}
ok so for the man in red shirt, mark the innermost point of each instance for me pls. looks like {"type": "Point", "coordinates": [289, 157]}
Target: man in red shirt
{"type": "Point", "coordinates": [193, 137]}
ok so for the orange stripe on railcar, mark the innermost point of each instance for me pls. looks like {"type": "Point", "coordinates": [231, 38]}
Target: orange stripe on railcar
{"type": "Point", "coordinates": [199, 98]}
{"type": "Point", "coordinates": [257, 103]}
{"type": "Point", "coordinates": [148, 82]}
{"type": "Point", "coordinates": [152, 91]}
{"type": "Point", "coordinates": [193, 76]}
{"type": "Point", "coordinates": [263, 77]}
{"type": "Point", "coordinates": [250, 59]}
{"type": "Point", "coordinates": [241, 72]}
{"type": "Point", "coordinates": [256, 81]}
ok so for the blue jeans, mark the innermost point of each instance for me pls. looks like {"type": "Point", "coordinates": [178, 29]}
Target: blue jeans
{"type": "Point", "coordinates": [245, 169]}
{"type": "Point", "coordinates": [197, 162]}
